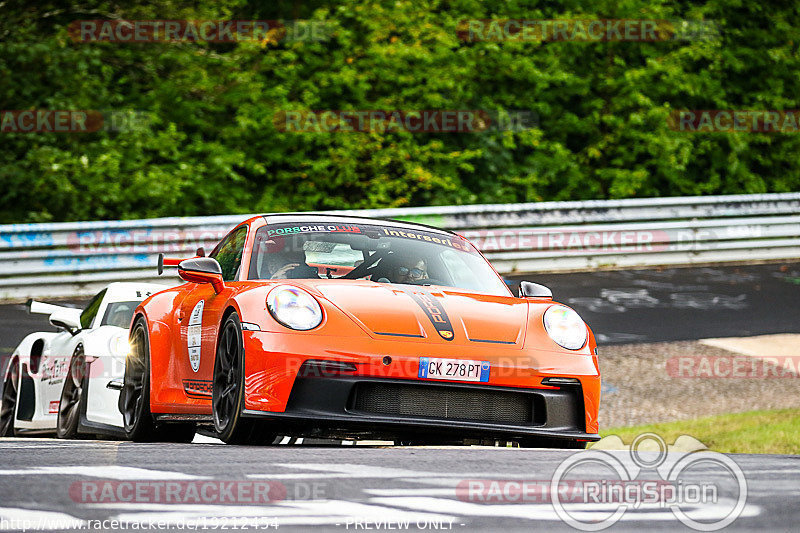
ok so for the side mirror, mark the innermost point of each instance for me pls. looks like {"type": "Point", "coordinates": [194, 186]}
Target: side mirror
{"type": "Point", "coordinates": [168, 261]}
{"type": "Point", "coordinates": [202, 270]}
{"type": "Point", "coordinates": [67, 319]}
{"type": "Point", "coordinates": [534, 290]}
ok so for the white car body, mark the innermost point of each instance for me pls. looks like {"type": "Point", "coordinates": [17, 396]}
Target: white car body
{"type": "Point", "coordinates": [42, 361]}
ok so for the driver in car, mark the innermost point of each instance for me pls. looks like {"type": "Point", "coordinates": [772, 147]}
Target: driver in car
{"type": "Point", "coordinates": [294, 266]}
{"type": "Point", "coordinates": [282, 259]}
{"type": "Point", "coordinates": [412, 273]}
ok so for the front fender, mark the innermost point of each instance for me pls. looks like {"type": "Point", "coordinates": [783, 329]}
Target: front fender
{"type": "Point", "coordinates": [97, 343]}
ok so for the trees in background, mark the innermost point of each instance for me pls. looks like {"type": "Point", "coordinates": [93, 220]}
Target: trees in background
{"type": "Point", "coordinates": [200, 135]}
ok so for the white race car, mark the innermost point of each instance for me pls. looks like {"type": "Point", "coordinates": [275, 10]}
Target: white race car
{"type": "Point", "coordinates": [69, 381]}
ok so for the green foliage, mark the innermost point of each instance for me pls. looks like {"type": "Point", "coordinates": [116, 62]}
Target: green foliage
{"type": "Point", "coordinates": [209, 144]}
{"type": "Point", "coordinates": [775, 431]}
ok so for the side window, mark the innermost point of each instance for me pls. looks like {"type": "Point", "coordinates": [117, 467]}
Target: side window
{"type": "Point", "coordinates": [229, 254]}
{"type": "Point", "coordinates": [87, 317]}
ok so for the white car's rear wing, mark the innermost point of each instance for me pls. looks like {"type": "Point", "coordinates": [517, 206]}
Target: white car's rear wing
{"type": "Point", "coordinates": [43, 308]}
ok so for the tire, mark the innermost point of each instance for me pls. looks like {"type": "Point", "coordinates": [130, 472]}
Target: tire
{"type": "Point", "coordinates": [71, 396]}
{"type": "Point", "coordinates": [227, 396]}
{"type": "Point", "coordinates": [548, 442]}
{"type": "Point", "coordinates": [134, 398]}
{"type": "Point", "coordinates": [8, 409]}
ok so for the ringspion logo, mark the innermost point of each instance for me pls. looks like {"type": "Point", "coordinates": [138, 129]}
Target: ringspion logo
{"type": "Point", "coordinates": [704, 490]}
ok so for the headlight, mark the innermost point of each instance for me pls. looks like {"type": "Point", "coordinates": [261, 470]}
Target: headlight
{"type": "Point", "coordinates": [565, 327]}
{"type": "Point", "coordinates": [118, 345]}
{"type": "Point", "coordinates": [294, 308]}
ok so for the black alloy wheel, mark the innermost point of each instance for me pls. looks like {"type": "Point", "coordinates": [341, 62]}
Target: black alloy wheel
{"type": "Point", "coordinates": [134, 398]}
{"type": "Point", "coordinates": [8, 410]}
{"type": "Point", "coordinates": [227, 397]}
{"type": "Point", "coordinates": [71, 395]}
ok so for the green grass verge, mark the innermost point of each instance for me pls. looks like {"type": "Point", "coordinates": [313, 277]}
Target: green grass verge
{"type": "Point", "coordinates": [752, 432]}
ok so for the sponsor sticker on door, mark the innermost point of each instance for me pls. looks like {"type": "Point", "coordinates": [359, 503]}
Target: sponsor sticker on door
{"type": "Point", "coordinates": [193, 335]}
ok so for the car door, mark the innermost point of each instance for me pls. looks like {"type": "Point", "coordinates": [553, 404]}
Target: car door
{"type": "Point", "coordinates": [199, 317]}
{"type": "Point", "coordinates": [51, 368]}
{"type": "Point", "coordinates": [60, 354]}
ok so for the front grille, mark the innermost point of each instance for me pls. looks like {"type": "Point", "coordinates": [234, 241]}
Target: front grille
{"type": "Point", "coordinates": [446, 403]}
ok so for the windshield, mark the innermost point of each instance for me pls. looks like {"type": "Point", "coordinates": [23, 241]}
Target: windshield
{"type": "Point", "coordinates": [382, 254]}
{"type": "Point", "coordinates": [119, 314]}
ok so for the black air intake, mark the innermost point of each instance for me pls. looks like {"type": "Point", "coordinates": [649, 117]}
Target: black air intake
{"type": "Point", "coordinates": [444, 403]}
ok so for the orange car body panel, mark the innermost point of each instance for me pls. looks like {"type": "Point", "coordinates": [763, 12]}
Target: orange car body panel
{"type": "Point", "coordinates": [505, 330]}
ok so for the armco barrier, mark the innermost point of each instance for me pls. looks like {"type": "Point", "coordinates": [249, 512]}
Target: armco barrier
{"type": "Point", "coordinates": [76, 259]}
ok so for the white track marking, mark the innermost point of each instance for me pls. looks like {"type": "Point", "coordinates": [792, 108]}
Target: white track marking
{"type": "Point", "coordinates": [545, 511]}
{"type": "Point", "coordinates": [753, 471]}
{"type": "Point", "coordinates": [358, 471]}
{"type": "Point", "coordinates": [38, 444]}
{"type": "Point", "coordinates": [105, 471]}
{"type": "Point", "coordinates": [412, 492]}
{"type": "Point", "coordinates": [299, 475]}
{"type": "Point", "coordinates": [455, 480]}
{"type": "Point", "coordinates": [349, 470]}
{"type": "Point", "coordinates": [15, 519]}
{"type": "Point", "coordinates": [204, 439]}
{"type": "Point", "coordinates": [318, 512]}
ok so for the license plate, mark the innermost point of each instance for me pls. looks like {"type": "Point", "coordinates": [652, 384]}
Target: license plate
{"type": "Point", "coordinates": [455, 369]}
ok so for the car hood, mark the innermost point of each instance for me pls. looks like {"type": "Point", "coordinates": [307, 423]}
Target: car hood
{"type": "Point", "coordinates": [434, 313]}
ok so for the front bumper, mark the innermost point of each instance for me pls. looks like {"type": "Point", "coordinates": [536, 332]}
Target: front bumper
{"type": "Point", "coordinates": [335, 407]}
{"type": "Point", "coordinates": [274, 361]}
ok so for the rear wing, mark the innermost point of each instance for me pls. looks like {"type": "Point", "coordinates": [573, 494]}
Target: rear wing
{"type": "Point", "coordinates": [35, 307]}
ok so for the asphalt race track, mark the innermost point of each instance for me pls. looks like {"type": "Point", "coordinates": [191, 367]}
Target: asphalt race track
{"type": "Point", "coordinates": [675, 304]}
{"type": "Point", "coordinates": [49, 484]}
{"type": "Point", "coordinates": [347, 488]}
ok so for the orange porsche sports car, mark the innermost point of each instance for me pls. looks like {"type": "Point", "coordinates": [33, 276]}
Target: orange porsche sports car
{"type": "Point", "coordinates": [346, 327]}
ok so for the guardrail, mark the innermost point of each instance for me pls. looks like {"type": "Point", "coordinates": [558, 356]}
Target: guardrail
{"type": "Point", "coordinates": [76, 259]}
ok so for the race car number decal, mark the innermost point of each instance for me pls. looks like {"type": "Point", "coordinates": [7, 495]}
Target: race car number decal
{"type": "Point", "coordinates": [193, 335]}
